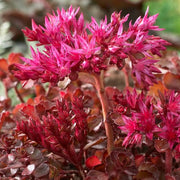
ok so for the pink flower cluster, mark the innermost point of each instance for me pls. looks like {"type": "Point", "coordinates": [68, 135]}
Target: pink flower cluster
{"type": "Point", "coordinates": [72, 46]}
{"type": "Point", "coordinates": [170, 115]}
{"type": "Point", "coordinates": [144, 119]}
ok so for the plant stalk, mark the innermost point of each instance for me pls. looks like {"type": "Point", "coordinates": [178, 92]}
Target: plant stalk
{"type": "Point", "coordinates": [168, 161]}
{"type": "Point", "coordinates": [81, 171]}
{"type": "Point", "coordinates": [18, 94]}
{"type": "Point", "coordinates": [99, 84]}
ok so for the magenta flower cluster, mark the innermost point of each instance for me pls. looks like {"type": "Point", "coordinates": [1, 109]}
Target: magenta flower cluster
{"type": "Point", "coordinates": [72, 46]}
{"type": "Point", "coordinates": [145, 120]}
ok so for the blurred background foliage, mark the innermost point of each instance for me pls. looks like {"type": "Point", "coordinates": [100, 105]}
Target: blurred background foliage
{"type": "Point", "coordinates": [169, 14]}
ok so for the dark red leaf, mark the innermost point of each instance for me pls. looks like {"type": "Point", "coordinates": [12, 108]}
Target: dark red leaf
{"type": "Point", "coordinates": [41, 170]}
{"type": "Point", "coordinates": [3, 65]}
{"type": "Point", "coordinates": [169, 177]}
{"type": "Point", "coordinates": [29, 111]}
{"type": "Point", "coordinates": [150, 168]}
{"type": "Point", "coordinates": [11, 158]}
{"type": "Point", "coordinates": [6, 121]}
{"type": "Point", "coordinates": [144, 175]}
{"type": "Point", "coordinates": [96, 175]}
{"type": "Point", "coordinates": [36, 155]}
{"type": "Point", "coordinates": [53, 92]}
{"type": "Point", "coordinates": [28, 170]}
{"type": "Point", "coordinates": [17, 108]}
{"type": "Point", "coordinates": [161, 145]}
{"type": "Point", "coordinates": [94, 122]}
{"type": "Point", "coordinates": [14, 58]}
{"type": "Point", "coordinates": [92, 161]}
{"type": "Point", "coordinates": [139, 159]}
{"type": "Point", "coordinates": [155, 88]}
{"type": "Point", "coordinates": [39, 89]}
{"type": "Point", "coordinates": [172, 81]}
{"type": "Point", "coordinates": [40, 109]}
{"type": "Point", "coordinates": [86, 78]}
{"type": "Point", "coordinates": [5, 104]}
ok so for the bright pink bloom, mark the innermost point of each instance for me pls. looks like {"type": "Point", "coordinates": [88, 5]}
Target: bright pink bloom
{"type": "Point", "coordinates": [171, 129]}
{"type": "Point", "coordinates": [132, 100]}
{"type": "Point", "coordinates": [169, 103]}
{"type": "Point", "coordinates": [140, 124]}
{"type": "Point", "coordinates": [69, 47]}
{"type": "Point", "coordinates": [169, 113]}
{"type": "Point", "coordinates": [131, 129]}
{"type": "Point", "coordinates": [139, 117]}
{"type": "Point", "coordinates": [174, 103]}
{"type": "Point", "coordinates": [143, 71]}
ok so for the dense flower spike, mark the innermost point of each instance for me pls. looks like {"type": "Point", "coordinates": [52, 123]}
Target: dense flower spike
{"type": "Point", "coordinates": [69, 48]}
{"type": "Point", "coordinates": [63, 131]}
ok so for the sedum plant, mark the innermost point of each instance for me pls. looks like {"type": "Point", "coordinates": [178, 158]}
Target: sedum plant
{"type": "Point", "coordinates": [86, 130]}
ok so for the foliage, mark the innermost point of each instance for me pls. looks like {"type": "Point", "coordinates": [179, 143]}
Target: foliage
{"type": "Point", "coordinates": [170, 19]}
{"type": "Point", "coordinates": [75, 128]}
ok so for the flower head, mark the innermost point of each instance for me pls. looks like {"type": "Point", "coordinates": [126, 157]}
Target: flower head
{"type": "Point", "coordinates": [139, 119]}
{"type": "Point", "coordinates": [143, 71]}
{"type": "Point", "coordinates": [69, 48]}
{"type": "Point", "coordinates": [170, 130]}
{"type": "Point", "coordinates": [139, 125]}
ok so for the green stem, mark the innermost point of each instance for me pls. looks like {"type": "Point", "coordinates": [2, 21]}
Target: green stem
{"type": "Point", "coordinates": [99, 84]}
{"type": "Point", "coordinates": [168, 161]}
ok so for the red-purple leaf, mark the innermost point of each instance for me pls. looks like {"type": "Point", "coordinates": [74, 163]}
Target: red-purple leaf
{"type": "Point", "coordinates": [96, 175]}
{"type": "Point", "coordinates": [39, 89]}
{"type": "Point", "coordinates": [41, 170]}
{"type": "Point", "coordinates": [169, 177]}
{"type": "Point", "coordinates": [28, 170]}
{"type": "Point", "coordinates": [144, 175]}
{"type": "Point", "coordinates": [151, 168]}
{"type": "Point", "coordinates": [14, 58]}
{"type": "Point", "coordinates": [161, 145]}
{"type": "Point", "coordinates": [3, 65]}
{"type": "Point", "coordinates": [29, 111]}
{"type": "Point", "coordinates": [139, 159]}
{"type": "Point", "coordinates": [36, 155]}
{"type": "Point", "coordinates": [92, 161]}
{"type": "Point", "coordinates": [6, 121]}
{"type": "Point", "coordinates": [172, 81]}
{"type": "Point", "coordinates": [11, 158]}
{"type": "Point", "coordinates": [86, 78]}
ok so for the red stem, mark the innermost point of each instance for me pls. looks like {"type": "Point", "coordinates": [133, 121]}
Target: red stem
{"type": "Point", "coordinates": [81, 171]}
{"type": "Point", "coordinates": [18, 94]}
{"type": "Point", "coordinates": [126, 77]}
{"type": "Point", "coordinates": [168, 161]}
{"type": "Point", "coordinates": [99, 84]}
